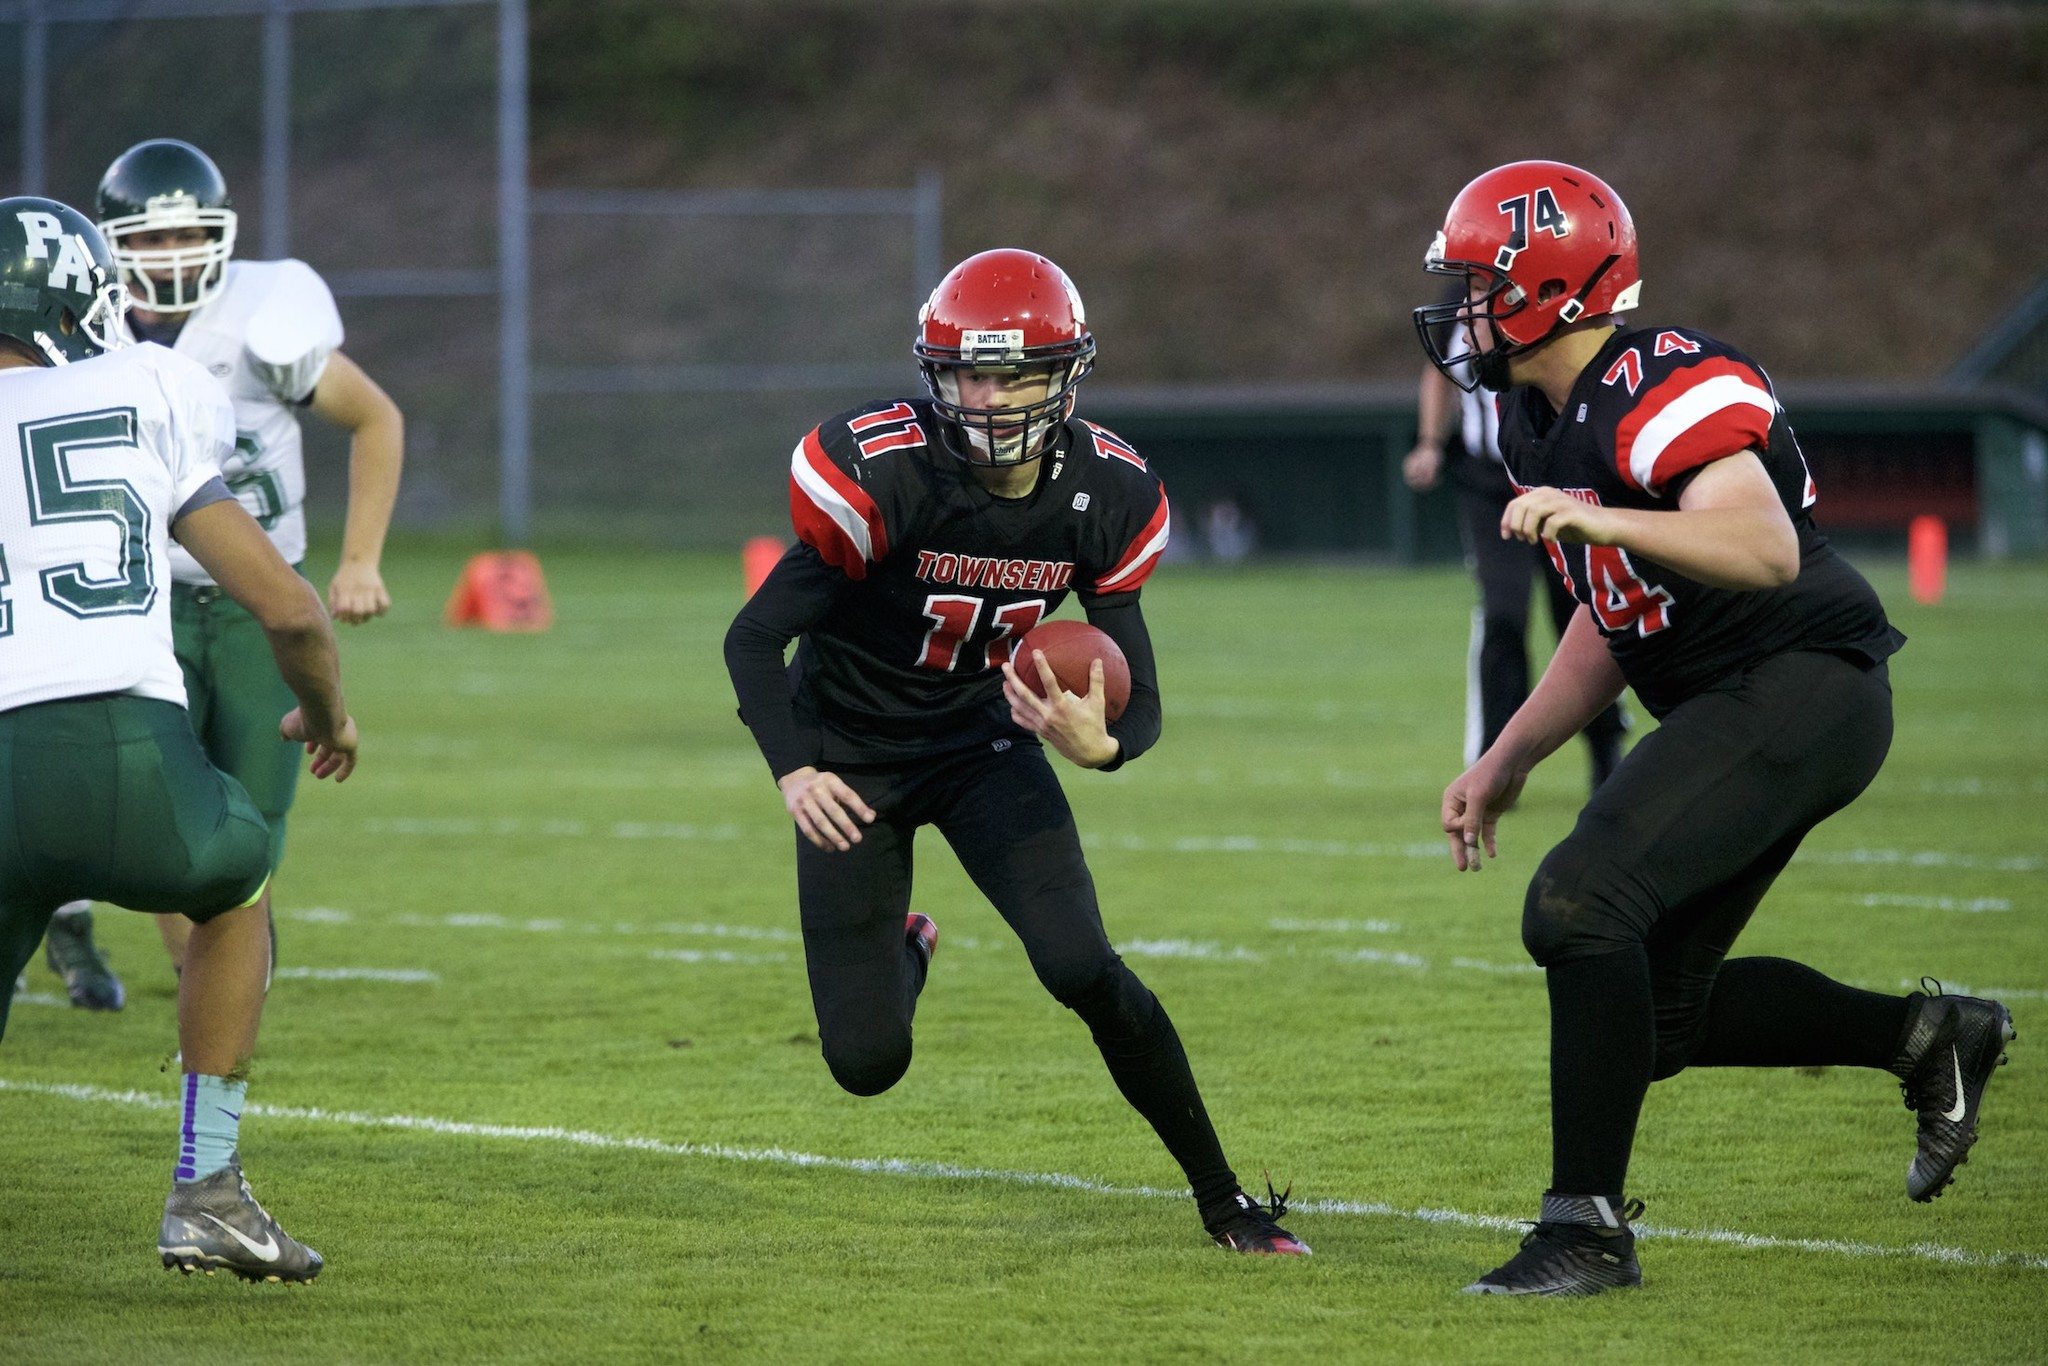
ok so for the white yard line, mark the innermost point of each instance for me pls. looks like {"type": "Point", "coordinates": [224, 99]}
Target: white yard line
{"type": "Point", "coordinates": [1972, 905]}
{"type": "Point", "coordinates": [1189, 948]}
{"type": "Point", "coordinates": [1199, 950]}
{"type": "Point", "coordinates": [1927, 858]}
{"type": "Point", "coordinates": [415, 975]}
{"type": "Point", "coordinates": [458, 827]}
{"type": "Point", "coordinates": [485, 920]}
{"type": "Point", "coordinates": [917, 1169]}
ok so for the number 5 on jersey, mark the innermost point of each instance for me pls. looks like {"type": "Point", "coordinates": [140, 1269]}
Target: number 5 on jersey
{"type": "Point", "coordinates": [56, 495]}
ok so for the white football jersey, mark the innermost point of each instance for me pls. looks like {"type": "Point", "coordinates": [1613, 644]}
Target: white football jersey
{"type": "Point", "coordinates": [266, 336]}
{"type": "Point", "coordinates": [112, 449]}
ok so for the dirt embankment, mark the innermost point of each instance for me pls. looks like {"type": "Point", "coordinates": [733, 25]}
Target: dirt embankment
{"type": "Point", "coordinates": [1244, 191]}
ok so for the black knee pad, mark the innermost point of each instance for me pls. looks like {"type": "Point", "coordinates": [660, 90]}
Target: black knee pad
{"type": "Point", "coordinates": [1112, 1002]}
{"type": "Point", "coordinates": [1574, 909]}
{"type": "Point", "coordinates": [864, 1068]}
{"type": "Point", "coordinates": [1672, 1057]}
{"type": "Point", "coordinates": [1073, 974]}
{"type": "Point", "coordinates": [1681, 1024]}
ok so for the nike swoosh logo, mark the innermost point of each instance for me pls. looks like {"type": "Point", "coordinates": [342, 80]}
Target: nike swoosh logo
{"type": "Point", "coordinates": [1955, 1116]}
{"type": "Point", "coordinates": [265, 1251]}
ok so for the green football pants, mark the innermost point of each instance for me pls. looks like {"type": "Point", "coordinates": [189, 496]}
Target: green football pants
{"type": "Point", "coordinates": [110, 798]}
{"type": "Point", "coordinates": [236, 698]}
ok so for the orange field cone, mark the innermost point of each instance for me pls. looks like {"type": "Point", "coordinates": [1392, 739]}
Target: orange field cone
{"type": "Point", "coordinates": [501, 590]}
{"type": "Point", "coordinates": [1927, 557]}
{"type": "Point", "coordinates": [758, 557]}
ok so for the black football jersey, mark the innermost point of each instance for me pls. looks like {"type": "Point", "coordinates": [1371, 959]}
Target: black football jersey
{"type": "Point", "coordinates": [946, 577]}
{"type": "Point", "coordinates": [1654, 406]}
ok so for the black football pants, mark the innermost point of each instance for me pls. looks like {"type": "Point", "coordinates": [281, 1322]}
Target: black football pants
{"type": "Point", "coordinates": [1006, 817]}
{"type": "Point", "coordinates": [1635, 911]}
{"type": "Point", "coordinates": [1497, 672]}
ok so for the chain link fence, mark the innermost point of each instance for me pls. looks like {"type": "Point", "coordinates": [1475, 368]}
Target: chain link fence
{"type": "Point", "coordinates": [663, 350]}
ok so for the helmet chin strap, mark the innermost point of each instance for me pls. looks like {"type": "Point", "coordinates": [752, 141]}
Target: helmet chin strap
{"type": "Point", "coordinates": [1491, 369]}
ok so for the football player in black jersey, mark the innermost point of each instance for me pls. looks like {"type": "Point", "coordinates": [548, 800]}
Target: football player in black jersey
{"type": "Point", "coordinates": [1659, 472]}
{"type": "Point", "coordinates": [933, 533]}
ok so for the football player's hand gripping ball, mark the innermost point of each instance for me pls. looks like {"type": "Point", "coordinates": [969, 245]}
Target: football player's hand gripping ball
{"type": "Point", "coordinates": [1071, 723]}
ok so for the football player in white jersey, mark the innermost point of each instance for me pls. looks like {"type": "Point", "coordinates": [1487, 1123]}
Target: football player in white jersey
{"type": "Point", "coordinates": [104, 791]}
{"type": "Point", "coordinates": [270, 332]}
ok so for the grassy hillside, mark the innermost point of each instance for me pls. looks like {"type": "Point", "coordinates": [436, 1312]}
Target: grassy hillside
{"type": "Point", "coordinates": [1244, 191]}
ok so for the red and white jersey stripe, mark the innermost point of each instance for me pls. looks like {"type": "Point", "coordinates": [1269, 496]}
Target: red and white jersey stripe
{"type": "Point", "coordinates": [1696, 415]}
{"type": "Point", "coordinates": [832, 513]}
{"type": "Point", "coordinates": [1141, 557]}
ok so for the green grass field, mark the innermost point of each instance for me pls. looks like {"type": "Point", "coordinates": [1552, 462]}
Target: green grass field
{"type": "Point", "coordinates": [577, 1110]}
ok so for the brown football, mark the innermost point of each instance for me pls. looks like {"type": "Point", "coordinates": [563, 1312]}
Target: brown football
{"type": "Point", "coordinates": [1070, 647]}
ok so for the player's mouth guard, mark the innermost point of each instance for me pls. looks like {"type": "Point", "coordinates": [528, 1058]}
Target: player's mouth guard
{"type": "Point", "coordinates": [1028, 424]}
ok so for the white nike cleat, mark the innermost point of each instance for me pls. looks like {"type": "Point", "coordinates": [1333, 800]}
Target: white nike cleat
{"type": "Point", "coordinates": [215, 1224]}
{"type": "Point", "coordinates": [1953, 1044]}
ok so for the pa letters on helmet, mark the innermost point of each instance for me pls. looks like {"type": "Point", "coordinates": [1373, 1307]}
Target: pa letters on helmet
{"type": "Point", "coordinates": [74, 262]}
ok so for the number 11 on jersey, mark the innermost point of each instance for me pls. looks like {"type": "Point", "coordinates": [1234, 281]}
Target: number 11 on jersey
{"type": "Point", "coordinates": [954, 616]}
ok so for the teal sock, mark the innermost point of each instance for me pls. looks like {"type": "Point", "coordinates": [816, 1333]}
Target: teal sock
{"type": "Point", "coordinates": [212, 1123]}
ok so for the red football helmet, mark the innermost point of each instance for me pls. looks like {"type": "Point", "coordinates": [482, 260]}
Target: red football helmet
{"type": "Point", "coordinates": [1551, 243]}
{"type": "Point", "coordinates": [1014, 313]}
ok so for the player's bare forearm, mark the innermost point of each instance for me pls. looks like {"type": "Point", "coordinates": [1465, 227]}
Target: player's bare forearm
{"type": "Point", "coordinates": [376, 457]}
{"type": "Point", "coordinates": [1729, 529]}
{"type": "Point", "coordinates": [1582, 681]}
{"type": "Point", "coordinates": [310, 664]}
{"type": "Point", "coordinates": [351, 400]}
{"type": "Point", "coordinates": [1424, 464]}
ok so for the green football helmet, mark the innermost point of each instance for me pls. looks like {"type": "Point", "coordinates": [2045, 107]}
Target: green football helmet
{"type": "Point", "coordinates": [159, 186]}
{"type": "Point", "coordinates": [60, 294]}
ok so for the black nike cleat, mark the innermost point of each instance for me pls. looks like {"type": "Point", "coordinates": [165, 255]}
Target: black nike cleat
{"type": "Point", "coordinates": [1951, 1047]}
{"type": "Point", "coordinates": [1580, 1246]}
{"type": "Point", "coordinates": [922, 935]}
{"type": "Point", "coordinates": [1242, 1224]}
{"type": "Point", "coordinates": [71, 954]}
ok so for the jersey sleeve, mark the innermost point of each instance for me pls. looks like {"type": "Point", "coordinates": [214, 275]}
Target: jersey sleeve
{"type": "Point", "coordinates": [1135, 536]}
{"type": "Point", "coordinates": [201, 430]}
{"type": "Point", "coordinates": [1700, 411]}
{"type": "Point", "coordinates": [844, 485]}
{"type": "Point", "coordinates": [293, 332]}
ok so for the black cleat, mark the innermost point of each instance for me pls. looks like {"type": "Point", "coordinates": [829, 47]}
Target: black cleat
{"type": "Point", "coordinates": [71, 954]}
{"type": "Point", "coordinates": [1244, 1225]}
{"type": "Point", "coordinates": [1952, 1046]}
{"type": "Point", "coordinates": [1581, 1246]}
